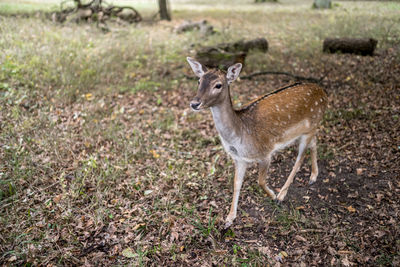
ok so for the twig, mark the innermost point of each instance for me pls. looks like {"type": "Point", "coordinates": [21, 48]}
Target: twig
{"type": "Point", "coordinates": [312, 230]}
{"type": "Point", "coordinates": [43, 189]}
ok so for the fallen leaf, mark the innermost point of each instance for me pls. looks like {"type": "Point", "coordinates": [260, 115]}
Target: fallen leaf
{"type": "Point", "coordinates": [331, 250]}
{"type": "Point", "coordinates": [174, 236]}
{"type": "Point", "coordinates": [89, 96]}
{"type": "Point", "coordinates": [379, 233]}
{"type": "Point", "coordinates": [57, 198]}
{"type": "Point", "coordinates": [155, 154]}
{"type": "Point", "coordinates": [137, 226]}
{"type": "Point", "coordinates": [351, 209]}
{"type": "Point", "coordinates": [379, 197]}
{"type": "Point", "coordinates": [300, 238]}
{"type": "Point", "coordinates": [264, 250]}
{"type": "Point", "coordinates": [128, 252]}
{"type": "Point", "coordinates": [346, 262]}
{"type": "Point", "coordinates": [148, 192]}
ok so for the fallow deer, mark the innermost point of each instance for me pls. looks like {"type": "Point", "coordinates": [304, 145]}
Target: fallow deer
{"type": "Point", "coordinates": [267, 124]}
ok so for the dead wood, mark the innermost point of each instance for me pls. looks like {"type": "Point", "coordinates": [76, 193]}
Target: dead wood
{"type": "Point", "coordinates": [260, 73]}
{"type": "Point", "coordinates": [201, 26]}
{"type": "Point", "coordinates": [95, 11]}
{"type": "Point", "coordinates": [226, 54]}
{"type": "Point", "coordinates": [297, 77]}
{"type": "Point", "coordinates": [359, 46]}
{"type": "Point", "coordinates": [260, 44]}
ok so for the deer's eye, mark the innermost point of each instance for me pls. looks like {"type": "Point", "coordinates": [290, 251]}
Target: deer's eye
{"type": "Point", "coordinates": [218, 86]}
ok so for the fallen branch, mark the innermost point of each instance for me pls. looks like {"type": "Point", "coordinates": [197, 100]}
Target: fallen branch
{"type": "Point", "coordinates": [259, 73]}
{"type": "Point", "coordinates": [297, 77]}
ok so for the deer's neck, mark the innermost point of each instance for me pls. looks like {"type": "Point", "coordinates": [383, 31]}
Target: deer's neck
{"type": "Point", "coordinates": [226, 120]}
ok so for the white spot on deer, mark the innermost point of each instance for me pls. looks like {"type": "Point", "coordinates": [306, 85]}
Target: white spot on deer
{"type": "Point", "coordinates": [289, 116]}
{"type": "Point", "coordinates": [321, 100]}
{"type": "Point", "coordinates": [316, 103]}
{"type": "Point", "coordinates": [311, 109]}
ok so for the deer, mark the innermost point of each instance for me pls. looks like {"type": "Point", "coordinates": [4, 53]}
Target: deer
{"type": "Point", "coordinates": [267, 124]}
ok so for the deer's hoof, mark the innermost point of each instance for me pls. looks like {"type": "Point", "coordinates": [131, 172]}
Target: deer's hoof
{"type": "Point", "coordinates": [281, 196]}
{"type": "Point", "coordinates": [313, 178]}
{"type": "Point", "coordinates": [228, 224]}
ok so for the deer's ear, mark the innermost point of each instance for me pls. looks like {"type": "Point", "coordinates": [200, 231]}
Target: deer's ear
{"type": "Point", "coordinates": [197, 68]}
{"type": "Point", "coordinates": [233, 72]}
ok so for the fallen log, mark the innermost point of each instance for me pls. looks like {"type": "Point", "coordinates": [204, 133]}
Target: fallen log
{"type": "Point", "coordinates": [260, 44]}
{"type": "Point", "coordinates": [216, 58]}
{"type": "Point", "coordinates": [359, 46]}
{"type": "Point", "coordinates": [226, 54]}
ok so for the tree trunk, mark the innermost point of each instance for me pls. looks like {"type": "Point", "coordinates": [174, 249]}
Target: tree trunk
{"type": "Point", "coordinates": [360, 46]}
{"type": "Point", "coordinates": [164, 12]}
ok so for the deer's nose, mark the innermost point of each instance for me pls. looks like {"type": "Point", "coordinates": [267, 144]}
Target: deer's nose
{"type": "Point", "coordinates": [195, 105]}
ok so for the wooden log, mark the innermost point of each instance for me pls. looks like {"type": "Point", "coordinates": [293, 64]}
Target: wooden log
{"type": "Point", "coordinates": [216, 58]}
{"type": "Point", "coordinates": [359, 46]}
{"type": "Point", "coordinates": [260, 44]}
{"type": "Point", "coordinates": [226, 54]}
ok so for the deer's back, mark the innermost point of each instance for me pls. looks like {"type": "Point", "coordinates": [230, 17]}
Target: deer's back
{"type": "Point", "coordinates": [285, 113]}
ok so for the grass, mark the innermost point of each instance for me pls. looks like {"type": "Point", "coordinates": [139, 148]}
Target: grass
{"type": "Point", "coordinates": [97, 145]}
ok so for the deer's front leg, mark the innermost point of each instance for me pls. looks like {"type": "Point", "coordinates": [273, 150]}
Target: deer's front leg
{"type": "Point", "coordinates": [240, 169]}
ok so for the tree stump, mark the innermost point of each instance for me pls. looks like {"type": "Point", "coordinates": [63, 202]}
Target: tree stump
{"type": "Point", "coordinates": [359, 46]}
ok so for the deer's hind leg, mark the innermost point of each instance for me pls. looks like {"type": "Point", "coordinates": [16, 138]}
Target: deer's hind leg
{"type": "Point", "coordinates": [314, 164]}
{"type": "Point", "coordinates": [262, 174]}
{"type": "Point", "coordinates": [303, 144]}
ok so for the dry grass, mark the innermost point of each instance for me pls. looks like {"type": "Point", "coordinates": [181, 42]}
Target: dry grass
{"type": "Point", "coordinates": [101, 159]}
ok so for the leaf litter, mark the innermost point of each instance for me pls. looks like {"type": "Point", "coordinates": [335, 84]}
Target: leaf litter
{"type": "Point", "coordinates": [140, 178]}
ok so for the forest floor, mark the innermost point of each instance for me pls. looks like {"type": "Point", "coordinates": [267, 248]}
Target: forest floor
{"type": "Point", "coordinates": [102, 162]}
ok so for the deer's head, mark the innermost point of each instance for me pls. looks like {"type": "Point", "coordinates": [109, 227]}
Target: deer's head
{"type": "Point", "coordinates": [213, 84]}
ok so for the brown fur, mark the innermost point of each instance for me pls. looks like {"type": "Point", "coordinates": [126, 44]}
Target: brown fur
{"type": "Point", "coordinates": [263, 126]}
